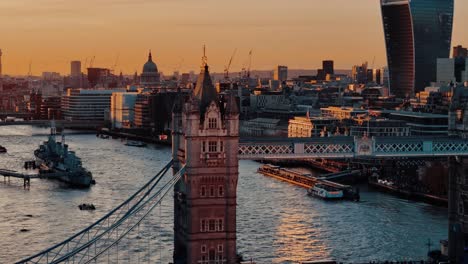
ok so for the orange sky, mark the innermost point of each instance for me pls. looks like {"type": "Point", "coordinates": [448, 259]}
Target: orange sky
{"type": "Point", "coordinates": [297, 33]}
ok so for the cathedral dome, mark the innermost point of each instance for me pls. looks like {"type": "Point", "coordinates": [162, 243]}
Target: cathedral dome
{"type": "Point", "coordinates": [150, 75]}
{"type": "Point", "coordinates": [150, 66]}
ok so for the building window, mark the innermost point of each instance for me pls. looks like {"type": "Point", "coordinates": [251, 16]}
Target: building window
{"type": "Point", "coordinates": [211, 256]}
{"type": "Point", "coordinates": [220, 191]}
{"type": "Point", "coordinates": [220, 248]}
{"type": "Point", "coordinates": [212, 146]}
{"type": "Point", "coordinates": [203, 146]}
{"type": "Point", "coordinates": [212, 123]}
{"type": "Point", "coordinates": [212, 191]}
{"type": "Point", "coordinates": [220, 226]}
{"type": "Point", "coordinates": [221, 146]}
{"type": "Point", "coordinates": [203, 249]}
{"type": "Point", "coordinates": [212, 225]}
{"type": "Point", "coordinates": [203, 191]}
{"type": "Point", "coordinates": [203, 225]}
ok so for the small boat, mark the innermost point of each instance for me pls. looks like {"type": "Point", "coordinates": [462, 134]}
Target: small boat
{"type": "Point", "coordinates": [325, 192]}
{"type": "Point", "coordinates": [133, 143]}
{"type": "Point", "coordinates": [3, 149]}
{"type": "Point", "coordinates": [88, 207]}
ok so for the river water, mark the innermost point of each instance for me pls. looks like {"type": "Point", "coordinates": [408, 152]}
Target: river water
{"type": "Point", "coordinates": [277, 222]}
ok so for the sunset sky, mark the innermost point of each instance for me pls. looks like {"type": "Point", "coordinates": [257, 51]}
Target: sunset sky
{"type": "Point", "coordinates": [297, 33]}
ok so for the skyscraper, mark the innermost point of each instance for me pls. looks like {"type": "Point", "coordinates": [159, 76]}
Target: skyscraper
{"type": "Point", "coordinates": [281, 73]}
{"type": "Point", "coordinates": [327, 66]}
{"type": "Point", "coordinates": [75, 70]}
{"type": "Point", "coordinates": [417, 32]}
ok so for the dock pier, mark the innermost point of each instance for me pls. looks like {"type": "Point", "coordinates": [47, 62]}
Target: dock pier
{"type": "Point", "coordinates": [27, 177]}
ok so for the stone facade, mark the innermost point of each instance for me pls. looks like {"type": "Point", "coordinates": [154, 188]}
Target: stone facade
{"type": "Point", "coordinates": [205, 141]}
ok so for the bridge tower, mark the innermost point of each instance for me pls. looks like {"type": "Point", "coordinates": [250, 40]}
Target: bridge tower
{"type": "Point", "coordinates": [205, 141]}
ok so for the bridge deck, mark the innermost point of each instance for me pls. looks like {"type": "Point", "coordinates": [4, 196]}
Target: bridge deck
{"type": "Point", "coordinates": [351, 147]}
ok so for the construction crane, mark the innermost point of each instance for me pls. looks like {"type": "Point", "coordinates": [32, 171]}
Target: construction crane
{"type": "Point", "coordinates": [91, 62]}
{"type": "Point", "coordinates": [245, 70]}
{"type": "Point", "coordinates": [226, 68]}
{"type": "Point", "coordinates": [250, 64]}
{"type": "Point", "coordinates": [115, 63]}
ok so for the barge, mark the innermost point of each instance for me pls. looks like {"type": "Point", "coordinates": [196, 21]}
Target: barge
{"type": "Point", "coordinates": [317, 187]}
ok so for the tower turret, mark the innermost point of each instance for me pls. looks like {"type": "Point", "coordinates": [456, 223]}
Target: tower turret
{"type": "Point", "coordinates": [205, 197]}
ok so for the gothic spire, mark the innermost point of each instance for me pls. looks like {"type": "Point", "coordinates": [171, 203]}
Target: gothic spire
{"type": "Point", "coordinates": [205, 90]}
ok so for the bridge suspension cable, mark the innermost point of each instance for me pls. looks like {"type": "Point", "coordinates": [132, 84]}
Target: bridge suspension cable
{"type": "Point", "coordinates": [92, 242]}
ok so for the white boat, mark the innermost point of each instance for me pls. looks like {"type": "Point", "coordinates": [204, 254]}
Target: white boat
{"type": "Point", "coordinates": [325, 192]}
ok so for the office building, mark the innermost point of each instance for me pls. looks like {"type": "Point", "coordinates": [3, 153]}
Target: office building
{"type": "Point", "coordinates": [459, 51]}
{"type": "Point", "coordinates": [423, 124]}
{"type": "Point", "coordinates": [452, 70]}
{"type": "Point", "coordinates": [122, 109]}
{"type": "Point", "coordinates": [328, 67]}
{"type": "Point", "coordinates": [417, 32]}
{"type": "Point", "coordinates": [359, 73]}
{"type": "Point", "coordinates": [280, 74]}
{"type": "Point", "coordinates": [75, 69]}
{"type": "Point", "coordinates": [377, 76]}
{"type": "Point", "coordinates": [81, 104]}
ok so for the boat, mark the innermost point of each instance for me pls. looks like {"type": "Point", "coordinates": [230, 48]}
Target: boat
{"type": "Point", "coordinates": [325, 192]}
{"type": "Point", "coordinates": [3, 149]}
{"type": "Point", "coordinates": [54, 158]}
{"type": "Point", "coordinates": [318, 187]}
{"type": "Point", "coordinates": [133, 143]}
{"type": "Point", "coordinates": [87, 207]}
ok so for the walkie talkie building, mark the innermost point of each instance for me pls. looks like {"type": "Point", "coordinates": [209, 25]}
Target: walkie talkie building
{"type": "Point", "coordinates": [417, 32]}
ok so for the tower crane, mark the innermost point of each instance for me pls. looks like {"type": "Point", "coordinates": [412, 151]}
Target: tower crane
{"type": "Point", "coordinates": [226, 68]}
{"type": "Point", "coordinates": [116, 62]}
{"type": "Point", "coordinates": [246, 71]}
{"type": "Point", "coordinates": [250, 64]}
{"type": "Point", "coordinates": [91, 62]}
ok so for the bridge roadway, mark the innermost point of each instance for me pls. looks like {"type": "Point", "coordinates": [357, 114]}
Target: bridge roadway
{"type": "Point", "coordinates": [77, 124]}
{"type": "Point", "coordinates": [351, 147]}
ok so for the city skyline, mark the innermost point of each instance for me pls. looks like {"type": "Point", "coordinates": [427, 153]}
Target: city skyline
{"type": "Point", "coordinates": [50, 34]}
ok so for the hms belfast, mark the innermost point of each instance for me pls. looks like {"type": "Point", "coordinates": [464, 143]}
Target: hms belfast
{"type": "Point", "coordinates": [54, 158]}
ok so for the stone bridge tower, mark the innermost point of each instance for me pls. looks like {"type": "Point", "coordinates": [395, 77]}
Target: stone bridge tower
{"type": "Point", "coordinates": [205, 141]}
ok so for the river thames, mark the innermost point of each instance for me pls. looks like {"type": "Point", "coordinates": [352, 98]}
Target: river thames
{"type": "Point", "coordinates": [276, 221]}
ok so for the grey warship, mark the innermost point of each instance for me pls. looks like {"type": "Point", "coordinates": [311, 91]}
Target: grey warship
{"type": "Point", "coordinates": [55, 157]}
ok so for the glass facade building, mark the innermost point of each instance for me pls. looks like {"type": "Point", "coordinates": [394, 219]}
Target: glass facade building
{"type": "Point", "coordinates": [417, 32]}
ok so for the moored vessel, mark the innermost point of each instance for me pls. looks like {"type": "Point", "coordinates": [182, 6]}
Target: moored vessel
{"type": "Point", "coordinates": [54, 157]}
{"type": "Point", "coordinates": [325, 192]}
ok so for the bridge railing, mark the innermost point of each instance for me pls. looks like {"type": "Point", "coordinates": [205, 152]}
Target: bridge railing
{"type": "Point", "coordinates": [93, 241]}
{"type": "Point", "coordinates": [421, 147]}
{"type": "Point", "coordinates": [342, 147]}
{"type": "Point", "coordinates": [351, 147]}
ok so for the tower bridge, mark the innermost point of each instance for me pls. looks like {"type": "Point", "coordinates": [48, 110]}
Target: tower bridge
{"type": "Point", "coordinates": [205, 158]}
